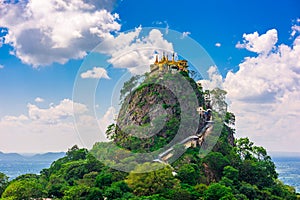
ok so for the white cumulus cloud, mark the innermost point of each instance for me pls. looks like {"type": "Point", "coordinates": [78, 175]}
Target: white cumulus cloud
{"type": "Point", "coordinates": [41, 129]}
{"type": "Point", "coordinates": [43, 32]}
{"type": "Point", "coordinates": [259, 43]}
{"type": "Point", "coordinates": [53, 128]}
{"type": "Point", "coordinates": [107, 119]}
{"type": "Point", "coordinates": [215, 79]}
{"type": "Point", "coordinates": [39, 100]}
{"type": "Point", "coordinates": [295, 29]}
{"type": "Point", "coordinates": [265, 92]}
{"type": "Point", "coordinates": [55, 113]}
{"type": "Point", "coordinates": [218, 44]}
{"type": "Point", "coordinates": [185, 34]}
{"type": "Point", "coordinates": [95, 73]}
{"type": "Point", "coordinates": [135, 53]}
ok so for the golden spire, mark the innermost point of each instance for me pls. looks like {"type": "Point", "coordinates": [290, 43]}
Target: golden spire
{"type": "Point", "coordinates": [173, 55]}
{"type": "Point", "coordinates": [163, 58]}
{"type": "Point", "coordinates": [156, 60]}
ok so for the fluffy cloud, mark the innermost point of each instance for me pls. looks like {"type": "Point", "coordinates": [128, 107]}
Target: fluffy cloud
{"type": "Point", "coordinates": [135, 53]}
{"type": "Point", "coordinates": [96, 73]}
{"type": "Point", "coordinates": [265, 92]}
{"type": "Point", "coordinates": [53, 128]}
{"type": "Point", "coordinates": [41, 129]}
{"type": "Point", "coordinates": [218, 44]}
{"type": "Point", "coordinates": [107, 119]}
{"type": "Point", "coordinates": [39, 100]}
{"type": "Point", "coordinates": [185, 34]}
{"type": "Point", "coordinates": [259, 43]}
{"type": "Point", "coordinates": [215, 79]}
{"type": "Point", "coordinates": [1, 66]}
{"type": "Point", "coordinates": [43, 32]}
{"type": "Point", "coordinates": [295, 29]}
{"type": "Point", "coordinates": [55, 114]}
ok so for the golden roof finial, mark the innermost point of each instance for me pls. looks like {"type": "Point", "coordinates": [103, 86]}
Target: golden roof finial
{"type": "Point", "coordinates": [173, 55]}
{"type": "Point", "coordinates": [156, 59]}
{"type": "Point", "coordinates": [163, 58]}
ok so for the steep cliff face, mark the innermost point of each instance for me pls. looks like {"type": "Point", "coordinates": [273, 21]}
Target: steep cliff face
{"type": "Point", "coordinates": [147, 103]}
{"type": "Point", "coordinates": [150, 115]}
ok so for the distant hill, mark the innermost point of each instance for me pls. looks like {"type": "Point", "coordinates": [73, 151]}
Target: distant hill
{"type": "Point", "coordinates": [48, 156]}
{"type": "Point", "coordinates": [41, 157]}
{"type": "Point", "coordinates": [11, 156]}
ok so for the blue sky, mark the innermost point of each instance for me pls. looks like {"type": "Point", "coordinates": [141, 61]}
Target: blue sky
{"type": "Point", "coordinates": [41, 54]}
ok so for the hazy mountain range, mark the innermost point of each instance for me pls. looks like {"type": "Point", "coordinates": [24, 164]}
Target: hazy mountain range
{"type": "Point", "coordinates": [20, 157]}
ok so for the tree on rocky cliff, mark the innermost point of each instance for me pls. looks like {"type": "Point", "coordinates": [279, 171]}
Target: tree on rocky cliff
{"type": "Point", "coordinates": [3, 182]}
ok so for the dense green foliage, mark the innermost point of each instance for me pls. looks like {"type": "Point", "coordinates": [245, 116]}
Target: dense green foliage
{"type": "Point", "coordinates": [233, 169]}
{"type": "Point", "coordinates": [3, 182]}
{"type": "Point", "coordinates": [24, 187]}
{"type": "Point", "coordinates": [243, 171]}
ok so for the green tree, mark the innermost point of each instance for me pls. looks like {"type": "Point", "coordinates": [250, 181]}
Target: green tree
{"type": "Point", "coordinates": [110, 131]}
{"type": "Point", "coordinates": [104, 179]}
{"type": "Point", "coordinates": [179, 194]}
{"type": "Point", "coordinates": [217, 191]}
{"type": "Point", "coordinates": [257, 167]}
{"type": "Point", "coordinates": [113, 192]}
{"type": "Point", "coordinates": [82, 192]}
{"type": "Point", "coordinates": [24, 189]}
{"type": "Point", "coordinates": [56, 186]}
{"type": "Point", "coordinates": [216, 162]}
{"type": "Point", "coordinates": [129, 86]}
{"type": "Point", "coordinates": [93, 164]}
{"type": "Point", "coordinates": [75, 192]}
{"type": "Point", "coordinates": [94, 194]}
{"type": "Point", "coordinates": [231, 173]}
{"type": "Point", "coordinates": [200, 188]}
{"type": "Point", "coordinates": [244, 148]}
{"type": "Point", "coordinates": [249, 190]}
{"type": "Point", "coordinates": [74, 170]}
{"type": "Point", "coordinates": [76, 154]}
{"type": "Point", "coordinates": [188, 173]}
{"type": "Point", "coordinates": [154, 182]}
{"type": "Point", "coordinates": [257, 173]}
{"type": "Point", "coordinates": [284, 191]}
{"type": "Point", "coordinates": [3, 182]}
{"type": "Point", "coordinates": [229, 118]}
{"type": "Point", "coordinates": [88, 179]}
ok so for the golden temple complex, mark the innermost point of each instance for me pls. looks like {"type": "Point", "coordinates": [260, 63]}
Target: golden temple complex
{"type": "Point", "coordinates": [166, 65]}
